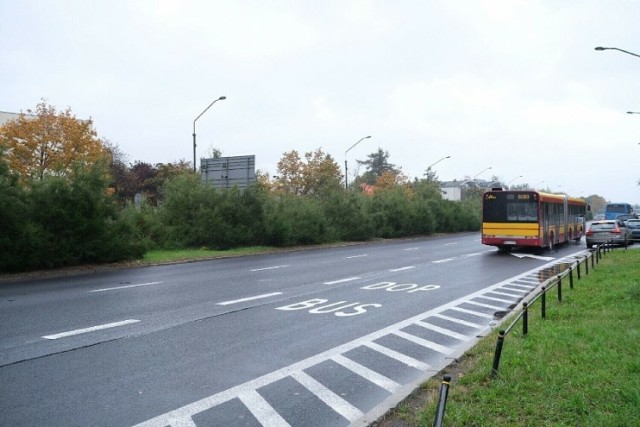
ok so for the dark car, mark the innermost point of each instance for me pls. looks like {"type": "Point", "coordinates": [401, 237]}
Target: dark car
{"type": "Point", "coordinates": [634, 228]}
{"type": "Point", "coordinates": [608, 230]}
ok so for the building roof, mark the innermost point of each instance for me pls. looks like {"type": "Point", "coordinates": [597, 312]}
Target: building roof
{"type": "Point", "coordinates": [5, 116]}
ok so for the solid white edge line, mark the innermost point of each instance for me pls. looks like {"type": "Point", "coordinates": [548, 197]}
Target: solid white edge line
{"type": "Point", "coordinates": [91, 329]}
{"type": "Point", "coordinates": [249, 298]}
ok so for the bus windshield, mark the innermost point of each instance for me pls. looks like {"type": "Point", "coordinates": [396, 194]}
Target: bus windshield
{"type": "Point", "coordinates": [510, 207]}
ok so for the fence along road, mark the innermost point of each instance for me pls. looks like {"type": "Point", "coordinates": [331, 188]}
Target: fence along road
{"type": "Point", "coordinates": [431, 341]}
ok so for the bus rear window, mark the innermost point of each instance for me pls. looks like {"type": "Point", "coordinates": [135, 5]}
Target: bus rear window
{"type": "Point", "coordinates": [510, 207]}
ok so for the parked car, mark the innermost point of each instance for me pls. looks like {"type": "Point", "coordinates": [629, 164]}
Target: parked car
{"type": "Point", "coordinates": [634, 227]}
{"type": "Point", "coordinates": [608, 230]}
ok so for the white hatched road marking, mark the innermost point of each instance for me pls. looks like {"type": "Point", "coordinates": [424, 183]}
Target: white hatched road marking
{"type": "Point", "coordinates": [182, 416]}
{"type": "Point", "coordinates": [260, 408]}
{"type": "Point", "coordinates": [424, 343]}
{"type": "Point", "coordinates": [275, 267]}
{"type": "Point", "coordinates": [475, 313]}
{"type": "Point", "coordinates": [460, 321]}
{"type": "Point", "coordinates": [126, 287]}
{"type": "Point", "coordinates": [373, 376]}
{"type": "Point", "coordinates": [479, 304]}
{"type": "Point", "coordinates": [440, 330]}
{"type": "Point", "coordinates": [255, 297]}
{"type": "Point", "coordinates": [523, 285]}
{"type": "Point", "coordinates": [497, 299]}
{"type": "Point", "coordinates": [334, 401]}
{"type": "Point", "coordinates": [520, 291]}
{"type": "Point", "coordinates": [515, 297]}
{"type": "Point", "coordinates": [90, 329]}
{"type": "Point", "coordinates": [400, 357]}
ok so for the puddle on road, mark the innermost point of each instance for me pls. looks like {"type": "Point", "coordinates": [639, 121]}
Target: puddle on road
{"type": "Point", "coordinates": [553, 271]}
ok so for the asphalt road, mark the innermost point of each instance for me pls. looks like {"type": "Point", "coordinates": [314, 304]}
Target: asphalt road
{"type": "Point", "coordinates": [327, 337]}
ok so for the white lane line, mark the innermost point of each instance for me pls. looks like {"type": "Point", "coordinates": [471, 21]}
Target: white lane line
{"type": "Point", "coordinates": [271, 268]}
{"type": "Point", "coordinates": [442, 331]}
{"type": "Point", "coordinates": [368, 374]}
{"type": "Point", "coordinates": [356, 256]}
{"type": "Point", "coordinates": [334, 401]}
{"type": "Point", "coordinates": [402, 269]}
{"type": "Point", "coordinates": [411, 249]}
{"type": "Point", "coordinates": [440, 261]}
{"type": "Point", "coordinates": [126, 286]}
{"type": "Point", "coordinates": [255, 297]}
{"type": "Point", "coordinates": [91, 329]}
{"type": "Point", "coordinates": [424, 343]}
{"type": "Point", "coordinates": [400, 357]}
{"type": "Point", "coordinates": [260, 408]}
{"type": "Point", "coordinates": [451, 244]}
{"type": "Point", "coordinates": [348, 279]}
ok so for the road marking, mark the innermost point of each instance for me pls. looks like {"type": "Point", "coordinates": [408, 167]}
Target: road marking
{"type": "Point", "coordinates": [270, 268]}
{"type": "Point", "coordinates": [368, 374]}
{"type": "Point", "coordinates": [235, 301]}
{"type": "Point", "coordinates": [411, 249]}
{"type": "Point", "coordinates": [400, 357]}
{"type": "Point", "coordinates": [440, 330]}
{"type": "Point", "coordinates": [125, 287]}
{"type": "Point", "coordinates": [451, 244]}
{"type": "Point", "coordinates": [395, 270]}
{"type": "Point", "coordinates": [507, 288]}
{"type": "Point", "coordinates": [357, 256]}
{"type": "Point", "coordinates": [497, 299]}
{"type": "Point", "coordinates": [515, 297]}
{"type": "Point", "coordinates": [493, 307]}
{"type": "Point", "coordinates": [440, 261]}
{"type": "Point", "coordinates": [459, 321]}
{"type": "Point", "coordinates": [334, 401]}
{"type": "Point", "coordinates": [260, 408]}
{"type": "Point", "coordinates": [424, 343]}
{"type": "Point", "coordinates": [91, 329]}
{"type": "Point", "coordinates": [474, 313]}
{"type": "Point", "coordinates": [527, 287]}
{"type": "Point", "coordinates": [348, 279]}
{"type": "Point", "coordinates": [542, 258]}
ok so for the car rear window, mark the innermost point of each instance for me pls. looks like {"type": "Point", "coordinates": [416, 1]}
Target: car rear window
{"type": "Point", "coordinates": [603, 227]}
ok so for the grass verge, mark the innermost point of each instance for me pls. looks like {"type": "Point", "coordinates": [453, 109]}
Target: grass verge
{"type": "Point", "coordinates": [179, 255]}
{"type": "Point", "coordinates": [579, 366]}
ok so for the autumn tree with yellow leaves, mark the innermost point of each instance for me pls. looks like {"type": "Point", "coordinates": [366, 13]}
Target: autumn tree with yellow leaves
{"type": "Point", "coordinates": [317, 173]}
{"type": "Point", "coordinates": [46, 142]}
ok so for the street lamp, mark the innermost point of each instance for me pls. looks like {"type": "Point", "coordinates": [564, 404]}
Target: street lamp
{"type": "Point", "coordinates": [346, 184]}
{"type": "Point", "coordinates": [433, 164]}
{"type": "Point", "coordinates": [632, 112]}
{"type": "Point", "coordinates": [484, 170]}
{"type": "Point", "coordinates": [615, 48]}
{"type": "Point", "coordinates": [520, 176]}
{"type": "Point", "coordinates": [194, 129]}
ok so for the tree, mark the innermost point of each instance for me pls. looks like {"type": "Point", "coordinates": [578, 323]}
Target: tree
{"type": "Point", "coordinates": [377, 164]}
{"type": "Point", "coordinates": [317, 174]}
{"type": "Point", "coordinates": [49, 143]}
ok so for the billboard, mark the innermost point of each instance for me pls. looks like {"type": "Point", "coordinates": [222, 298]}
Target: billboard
{"type": "Point", "coordinates": [228, 172]}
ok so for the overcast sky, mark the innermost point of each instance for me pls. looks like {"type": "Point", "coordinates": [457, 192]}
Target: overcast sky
{"type": "Point", "coordinates": [512, 85]}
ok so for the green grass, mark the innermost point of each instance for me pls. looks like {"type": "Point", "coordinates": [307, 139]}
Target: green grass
{"type": "Point", "coordinates": [179, 255]}
{"type": "Point", "coordinates": [578, 367]}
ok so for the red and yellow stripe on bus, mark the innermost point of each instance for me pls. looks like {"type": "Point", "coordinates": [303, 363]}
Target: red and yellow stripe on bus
{"type": "Point", "coordinates": [511, 233]}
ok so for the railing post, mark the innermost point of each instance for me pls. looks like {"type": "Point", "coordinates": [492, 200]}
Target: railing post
{"type": "Point", "coordinates": [497, 354]}
{"type": "Point", "coordinates": [525, 318]}
{"type": "Point", "coordinates": [578, 268]}
{"type": "Point", "coordinates": [442, 401]}
{"type": "Point", "coordinates": [593, 266]}
{"type": "Point", "coordinates": [559, 288]}
{"type": "Point", "coordinates": [543, 302]}
{"type": "Point", "coordinates": [598, 254]}
{"type": "Point", "coordinates": [586, 265]}
{"type": "Point", "coordinates": [571, 277]}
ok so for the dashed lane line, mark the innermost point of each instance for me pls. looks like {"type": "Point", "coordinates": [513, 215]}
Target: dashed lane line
{"type": "Point", "coordinates": [90, 329]}
{"type": "Point", "coordinates": [253, 298]}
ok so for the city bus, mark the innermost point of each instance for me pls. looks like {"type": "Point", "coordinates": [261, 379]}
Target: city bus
{"type": "Point", "coordinates": [512, 219]}
{"type": "Point", "coordinates": [612, 210]}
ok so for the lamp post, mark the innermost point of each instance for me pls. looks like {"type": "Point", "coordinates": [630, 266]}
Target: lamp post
{"type": "Point", "coordinates": [483, 170]}
{"type": "Point", "coordinates": [194, 129]}
{"type": "Point", "coordinates": [519, 176]}
{"type": "Point", "coordinates": [433, 164]}
{"type": "Point", "coordinates": [615, 48]}
{"type": "Point", "coordinates": [346, 184]}
{"type": "Point", "coordinates": [632, 112]}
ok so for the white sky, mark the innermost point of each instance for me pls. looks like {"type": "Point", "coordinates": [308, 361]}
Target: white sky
{"type": "Point", "coordinates": [512, 85]}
